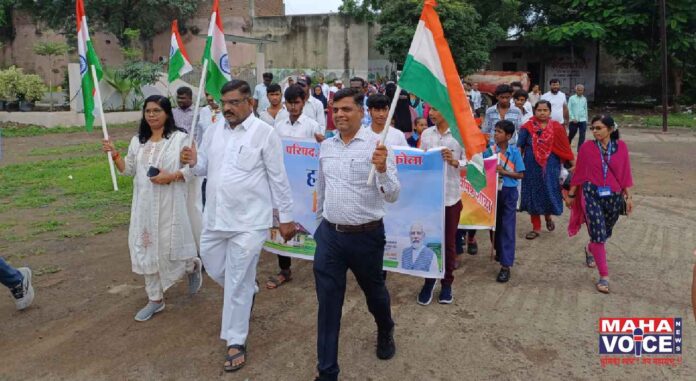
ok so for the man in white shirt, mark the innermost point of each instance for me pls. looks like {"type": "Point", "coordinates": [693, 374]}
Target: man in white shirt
{"type": "Point", "coordinates": [453, 155]}
{"type": "Point", "coordinates": [378, 107]}
{"type": "Point", "coordinates": [294, 125]}
{"type": "Point", "coordinates": [338, 85]}
{"type": "Point", "coordinates": [313, 107]}
{"type": "Point", "coordinates": [207, 116]}
{"type": "Point", "coordinates": [324, 86]}
{"type": "Point", "coordinates": [476, 98]}
{"type": "Point", "coordinates": [276, 110]}
{"type": "Point", "coordinates": [260, 98]}
{"type": "Point", "coordinates": [559, 103]}
{"type": "Point", "coordinates": [243, 159]}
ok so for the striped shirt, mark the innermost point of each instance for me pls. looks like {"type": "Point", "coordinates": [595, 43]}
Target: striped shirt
{"type": "Point", "coordinates": [342, 192]}
{"type": "Point", "coordinates": [492, 117]}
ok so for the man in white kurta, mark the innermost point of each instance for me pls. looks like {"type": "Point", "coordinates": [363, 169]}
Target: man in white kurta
{"type": "Point", "coordinates": [243, 161]}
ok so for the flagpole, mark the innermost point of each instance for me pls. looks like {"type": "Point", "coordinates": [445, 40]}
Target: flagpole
{"type": "Point", "coordinates": [383, 134]}
{"type": "Point", "coordinates": [198, 100]}
{"type": "Point", "coordinates": [103, 123]}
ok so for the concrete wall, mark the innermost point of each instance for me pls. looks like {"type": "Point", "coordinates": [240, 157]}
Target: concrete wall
{"type": "Point", "coordinates": [334, 45]}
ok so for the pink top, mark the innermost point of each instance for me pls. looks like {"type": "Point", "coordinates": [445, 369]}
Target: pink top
{"type": "Point", "coordinates": [589, 167]}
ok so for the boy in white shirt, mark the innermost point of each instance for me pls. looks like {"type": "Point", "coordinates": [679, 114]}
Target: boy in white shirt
{"type": "Point", "coordinates": [378, 107]}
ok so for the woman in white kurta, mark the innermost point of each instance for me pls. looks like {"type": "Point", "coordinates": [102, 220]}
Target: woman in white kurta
{"type": "Point", "coordinates": [160, 237]}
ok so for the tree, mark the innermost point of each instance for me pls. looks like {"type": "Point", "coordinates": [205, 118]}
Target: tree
{"type": "Point", "coordinates": [51, 50]}
{"type": "Point", "coordinates": [150, 17]}
{"type": "Point", "coordinates": [629, 31]}
{"type": "Point", "coordinates": [470, 40]}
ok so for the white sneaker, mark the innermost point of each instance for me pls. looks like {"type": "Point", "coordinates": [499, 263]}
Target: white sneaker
{"type": "Point", "coordinates": [195, 278]}
{"type": "Point", "coordinates": [24, 292]}
{"type": "Point", "coordinates": [149, 310]}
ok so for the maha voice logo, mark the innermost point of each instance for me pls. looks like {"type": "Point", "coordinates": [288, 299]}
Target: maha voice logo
{"type": "Point", "coordinates": [655, 341]}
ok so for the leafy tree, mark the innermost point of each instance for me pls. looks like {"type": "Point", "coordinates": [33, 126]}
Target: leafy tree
{"type": "Point", "coordinates": [470, 40]}
{"type": "Point", "coordinates": [630, 31]}
{"type": "Point", "coordinates": [150, 17]}
{"type": "Point", "coordinates": [364, 10]}
{"type": "Point", "coordinates": [51, 50]}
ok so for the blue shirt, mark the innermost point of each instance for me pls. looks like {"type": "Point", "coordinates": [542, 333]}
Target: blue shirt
{"type": "Point", "coordinates": [510, 161]}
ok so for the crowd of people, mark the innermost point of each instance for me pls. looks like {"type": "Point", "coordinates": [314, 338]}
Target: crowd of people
{"type": "Point", "coordinates": [206, 203]}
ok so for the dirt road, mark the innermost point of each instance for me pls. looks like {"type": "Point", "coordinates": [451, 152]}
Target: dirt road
{"type": "Point", "coordinates": [540, 325]}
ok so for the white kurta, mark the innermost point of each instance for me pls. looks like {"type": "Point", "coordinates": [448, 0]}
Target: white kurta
{"type": "Point", "coordinates": [160, 237]}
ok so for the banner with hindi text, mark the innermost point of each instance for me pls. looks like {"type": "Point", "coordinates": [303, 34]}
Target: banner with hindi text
{"type": "Point", "coordinates": [414, 224]}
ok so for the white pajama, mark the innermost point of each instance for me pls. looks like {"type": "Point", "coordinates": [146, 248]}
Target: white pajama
{"type": "Point", "coordinates": [230, 259]}
{"type": "Point", "coordinates": [246, 177]}
{"type": "Point", "coordinates": [153, 283]}
{"type": "Point", "coordinates": [153, 287]}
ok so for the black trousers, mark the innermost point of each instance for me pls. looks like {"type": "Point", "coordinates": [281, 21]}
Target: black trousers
{"type": "Point", "coordinates": [337, 252]}
{"type": "Point", "coordinates": [574, 128]}
{"type": "Point", "coordinates": [284, 262]}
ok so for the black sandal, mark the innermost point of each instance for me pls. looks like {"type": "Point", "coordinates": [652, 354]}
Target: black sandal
{"type": "Point", "coordinates": [550, 226]}
{"type": "Point", "coordinates": [231, 358]}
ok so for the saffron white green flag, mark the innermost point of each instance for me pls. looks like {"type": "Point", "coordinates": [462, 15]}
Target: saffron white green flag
{"type": "Point", "coordinates": [431, 74]}
{"type": "Point", "coordinates": [88, 58]}
{"type": "Point", "coordinates": [179, 63]}
{"type": "Point", "coordinates": [216, 54]}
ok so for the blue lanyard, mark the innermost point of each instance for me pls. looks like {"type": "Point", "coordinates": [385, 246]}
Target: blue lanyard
{"type": "Point", "coordinates": [605, 163]}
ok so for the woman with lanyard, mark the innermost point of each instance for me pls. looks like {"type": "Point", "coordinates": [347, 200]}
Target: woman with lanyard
{"type": "Point", "coordinates": [599, 192]}
{"type": "Point", "coordinates": [160, 237]}
{"type": "Point", "coordinates": [544, 145]}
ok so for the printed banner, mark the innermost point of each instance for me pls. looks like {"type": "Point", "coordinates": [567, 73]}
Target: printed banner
{"type": "Point", "coordinates": [414, 225]}
{"type": "Point", "coordinates": [478, 208]}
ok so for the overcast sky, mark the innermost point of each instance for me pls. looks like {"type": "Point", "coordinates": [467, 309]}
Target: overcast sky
{"type": "Point", "coordinates": [295, 7]}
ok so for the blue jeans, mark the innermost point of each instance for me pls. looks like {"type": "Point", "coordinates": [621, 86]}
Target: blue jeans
{"type": "Point", "coordinates": [337, 252]}
{"type": "Point", "coordinates": [9, 276]}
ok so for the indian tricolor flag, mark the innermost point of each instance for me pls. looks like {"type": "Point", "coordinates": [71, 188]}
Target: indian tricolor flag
{"type": "Point", "coordinates": [430, 73]}
{"type": "Point", "coordinates": [179, 63]}
{"type": "Point", "coordinates": [216, 54]}
{"type": "Point", "coordinates": [88, 58]}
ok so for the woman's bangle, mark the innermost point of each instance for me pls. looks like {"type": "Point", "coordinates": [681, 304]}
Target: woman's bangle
{"type": "Point", "coordinates": [116, 156]}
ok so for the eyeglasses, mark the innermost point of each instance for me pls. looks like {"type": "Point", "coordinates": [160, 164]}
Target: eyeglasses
{"type": "Point", "coordinates": [595, 128]}
{"type": "Point", "coordinates": [156, 111]}
{"type": "Point", "coordinates": [233, 102]}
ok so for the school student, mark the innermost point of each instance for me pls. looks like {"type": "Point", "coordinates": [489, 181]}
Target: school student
{"type": "Point", "coordinates": [510, 172]}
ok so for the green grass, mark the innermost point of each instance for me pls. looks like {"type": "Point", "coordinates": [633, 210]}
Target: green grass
{"type": "Point", "coordinates": [86, 148]}
{"type": "Point", "coordinates": [63, 188]}
{"type": "Point", "coordinates": [46, 226]}
{"type": "Point", "coordinates": [12, 130]}
{"type": "Point", "coordinates": [682, 120]}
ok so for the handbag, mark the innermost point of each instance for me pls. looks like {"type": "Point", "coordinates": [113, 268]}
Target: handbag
{"type": "Point", "coordinates": [622, 203]}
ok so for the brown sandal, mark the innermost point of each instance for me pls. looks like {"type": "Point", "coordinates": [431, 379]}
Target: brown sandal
{"type": "Point", "coordinates": [531, 235]}
{"type": "Point", "coordinates": [278, 280]}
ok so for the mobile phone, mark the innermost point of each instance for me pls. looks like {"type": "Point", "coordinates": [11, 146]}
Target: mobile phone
{"type": "Point", "coordinates": [152, 172]}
